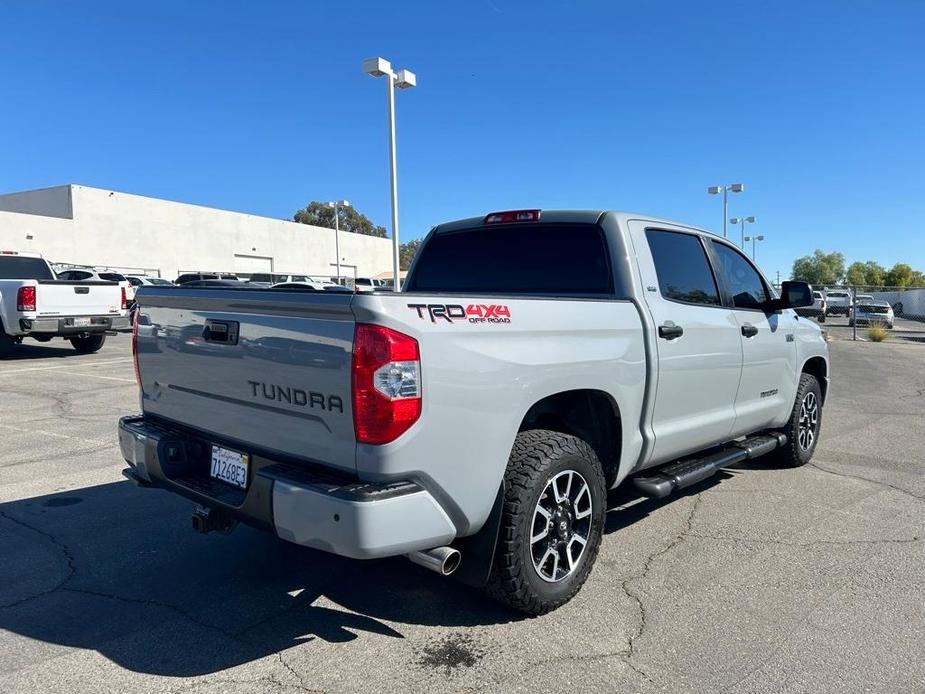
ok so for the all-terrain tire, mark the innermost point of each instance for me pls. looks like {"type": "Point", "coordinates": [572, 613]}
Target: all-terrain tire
{"type": "Point", "coordinates": [88, 344]}
{"type": "Point", "coordinates": [804, 425]}
{"type": "Point", "coordinates": [537, 458]}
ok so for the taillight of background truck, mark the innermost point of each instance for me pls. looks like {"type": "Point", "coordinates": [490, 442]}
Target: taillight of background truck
{"type": "Point", "coordinates": [25, 299]}
{"type": "Point", "coordinates": [135, 345]}
{"type": "Point", "coordinates": [386, 383]}
{"type": "Point", "coordinates": [124, 298]}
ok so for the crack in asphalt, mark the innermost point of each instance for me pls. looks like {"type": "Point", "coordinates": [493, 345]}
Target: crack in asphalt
{"type": "Point", "coordinates": [813, 543]}
{"type": "Point", "coordinates": [65, 550]}
{"type": "Point", "coordinates": [686, 529]}
{"type": "Point", "coordinates": [867, 479]}
{"type": "Point", "coordinates": [302, 686]}
{"type": "Point", "coordinates": [234, 636]}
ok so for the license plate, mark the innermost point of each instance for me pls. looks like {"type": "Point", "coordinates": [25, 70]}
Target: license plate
{"type": "Point", "coordinates": [229, 466]}
{"type": "Point", "coordinates": [81, 322]}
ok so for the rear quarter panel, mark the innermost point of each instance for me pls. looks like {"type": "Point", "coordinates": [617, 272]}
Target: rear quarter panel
{"type": "Point", "coordinates": [480, 378]}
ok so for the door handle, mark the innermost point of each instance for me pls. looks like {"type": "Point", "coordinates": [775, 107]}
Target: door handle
{"type": "Point", "coordinates": [670, 331]}
{"type": "Point", "coordinates": [749, 330]}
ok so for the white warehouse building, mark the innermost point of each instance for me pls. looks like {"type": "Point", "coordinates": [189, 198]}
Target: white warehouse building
{"type": "Point", "coordinates": [79, 225]}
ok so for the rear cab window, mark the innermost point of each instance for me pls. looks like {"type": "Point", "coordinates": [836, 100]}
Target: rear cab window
{"type": "Point", "coordinates": [520, 259]}
{"type": "Point", "coordinates": [23, 268]}
{"type": "Point", "coordinates": [682, 268]}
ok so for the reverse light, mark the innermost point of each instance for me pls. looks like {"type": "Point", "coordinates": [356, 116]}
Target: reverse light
{"type": "Point", "coordinates": [512, 216]}
{"type": "Point", "coordinates": [386, 383]}
{"type": "Point", "coordinates": [25, 299]}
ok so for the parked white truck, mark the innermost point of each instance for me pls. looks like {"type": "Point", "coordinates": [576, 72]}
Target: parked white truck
{"type": "Point", "coordinates": [475, 420]}
{"type": "Point", "coordinates": [37, 305]}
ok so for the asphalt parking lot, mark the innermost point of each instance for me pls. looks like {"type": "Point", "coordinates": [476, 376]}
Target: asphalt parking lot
{"type": "Point", "coordinates": [760, 580]}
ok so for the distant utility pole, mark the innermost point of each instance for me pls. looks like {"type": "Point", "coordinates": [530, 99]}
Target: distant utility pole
{"type": "Point", "coordinates": [716, 190]}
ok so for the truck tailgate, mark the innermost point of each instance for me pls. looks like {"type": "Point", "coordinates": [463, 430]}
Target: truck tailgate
{"type": "Point", "coordinates": [67, 298]}
{"type": "Point", "coordinates": [266, 371]}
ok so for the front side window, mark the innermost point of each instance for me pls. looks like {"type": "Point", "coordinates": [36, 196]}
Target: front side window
{"type": "Point", "coordinates": [682, 267]}
{"type": "Point", "coordinates": [742, 280]}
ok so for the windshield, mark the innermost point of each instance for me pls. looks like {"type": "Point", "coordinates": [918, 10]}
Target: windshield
{"type": "Point", "coordinates": [21, 268]}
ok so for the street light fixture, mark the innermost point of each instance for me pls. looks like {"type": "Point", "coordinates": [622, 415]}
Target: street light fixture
{"type": "Point", "coordinates": [753, 239]}
{"type": "Point", "coordinates": [403, 79]}
{"type": "Point", "coordinates": [730, 187]}
{"type": "Point", "coordinates": [742, 221]}
{"type": "Point", "coordinates": [336, 204]}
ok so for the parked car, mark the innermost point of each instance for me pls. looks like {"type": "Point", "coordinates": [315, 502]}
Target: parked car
{"type": "Point", "coordinates": [91, 275]}
{"type": "Point", "coordinates": [475, 421]}
{"type": "Point", "coordinates": [36, 304]}
{"type": "Point", "coordinates": [312, 286]}
{"type": "Point", "coordinates": [871, 312]}
{"type": "Point", "coordinates": [196, 276]}
{"type": "Point", "coordinates": [147, 280]}
{"type": "Point", "coordinates": [838, 302]}
{"type": "Point", "coordinates": [817, 310]}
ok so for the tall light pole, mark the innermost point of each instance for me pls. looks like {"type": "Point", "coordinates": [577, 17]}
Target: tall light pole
{"type": "Point", "coordinates": [716, 190]}
{"type": "Point", "coordinates": [336, 204]}
{"type": "Point", "coordinates": [753, 239]}
{"type": "Point", "coordinates": [742, 221]}
{"type": "Point", "coordinates": [403, 79]}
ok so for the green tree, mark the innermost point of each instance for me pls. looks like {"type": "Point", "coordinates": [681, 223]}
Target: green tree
{"type": "Point", "coordinates": [407, 251]}
{"type": "Point", "coordinates": [349, 220]}
{"type": "Point", "coordinates": [900, 275]}
{"type": "Point", "coordinates": [857, 273]}
{"type": "Point", "coordinates": [918, 279]}
{"type": "Point", "coordinates": [820, 268]}
{"type": "Point", "coordinates": [875, 273]}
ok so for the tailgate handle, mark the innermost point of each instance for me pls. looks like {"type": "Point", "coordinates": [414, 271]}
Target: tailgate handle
{"type": "Point", "coordinates": [224, 332]}
{"type": "Point", "coordinates": [81, 290]}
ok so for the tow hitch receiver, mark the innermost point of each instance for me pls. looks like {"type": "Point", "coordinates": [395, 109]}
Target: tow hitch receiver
{"type": "Point", "coordinates": [207, 519]}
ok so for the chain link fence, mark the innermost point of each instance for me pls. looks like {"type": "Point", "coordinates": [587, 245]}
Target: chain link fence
{"type": "Point", "coordinates": [874, 313]}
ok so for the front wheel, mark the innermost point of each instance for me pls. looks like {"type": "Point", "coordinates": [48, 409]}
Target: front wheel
{"type": "Point", "coordinates": [88, 344]}
{"type": "Point", "coordinates": [803, 427]}
{"type": "Point", "coordinates": [551, 523]}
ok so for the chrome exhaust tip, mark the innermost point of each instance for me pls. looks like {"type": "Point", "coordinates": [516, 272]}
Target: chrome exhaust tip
{"type": "Point", "coordinates": [443, 560]}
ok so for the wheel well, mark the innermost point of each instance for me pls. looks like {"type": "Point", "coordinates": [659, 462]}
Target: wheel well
{"type": "Point", "coordinates": [817, 367]}
{"type": "Point", "coordinates": [591, 415]}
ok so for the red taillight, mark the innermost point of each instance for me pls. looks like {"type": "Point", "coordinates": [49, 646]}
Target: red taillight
{"type": "Point", "coordinates": [386, 383]}
{"type": "Point", "coordinates": [135, 346]}
{"type": "Point", "coordinates": [25, 299]}
{"type": "Point", "coordinates": [512, 216]}
{"type": "Point", "coordinates": [124, 298]}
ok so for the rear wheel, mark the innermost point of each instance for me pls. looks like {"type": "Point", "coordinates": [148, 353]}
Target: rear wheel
{"type": "Point", "coordinates": [803, 427]}
{"type": "Point", "coordinates": [551, 524]}
{"type": "Point", "coordinates": [88, 344]}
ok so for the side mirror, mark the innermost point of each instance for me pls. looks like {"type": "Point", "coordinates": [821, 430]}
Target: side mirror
{"type": "Point", "coordinates": [795, 295]}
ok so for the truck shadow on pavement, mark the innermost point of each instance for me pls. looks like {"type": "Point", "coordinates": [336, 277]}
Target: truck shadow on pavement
{"type": "Point", "coordinates": [118, 570]}
{"type": "Point", "coordinates": [35, 350]}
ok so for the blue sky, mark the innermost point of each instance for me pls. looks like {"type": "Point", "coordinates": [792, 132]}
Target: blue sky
{"type": "Point", "coordinates": [817, 106]}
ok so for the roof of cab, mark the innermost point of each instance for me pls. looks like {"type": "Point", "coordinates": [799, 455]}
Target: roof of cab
{"type": "Point", "coordinates": [566, 217]}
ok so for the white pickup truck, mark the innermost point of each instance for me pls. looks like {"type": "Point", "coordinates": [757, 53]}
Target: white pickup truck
{"type": "Point", "coordinates": [35, 304]}
{"type": "Point", "coordinates": [475, 420]}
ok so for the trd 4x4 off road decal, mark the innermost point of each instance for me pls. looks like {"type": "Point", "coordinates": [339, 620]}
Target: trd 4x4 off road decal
{"type": "Point", "coordinates": [473, 313]}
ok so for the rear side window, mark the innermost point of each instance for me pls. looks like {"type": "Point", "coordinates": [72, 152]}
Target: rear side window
{"type": "Point", "coordinates": [21, 268]}
{"type": "Point", "coordinates": [682, 267]}
{"type": "Point", "coordinates": [742, 280]}
{"type": "Point", "coordinates": [112, 277]}
{"type": "Point", "coordinates": [544, 259]}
